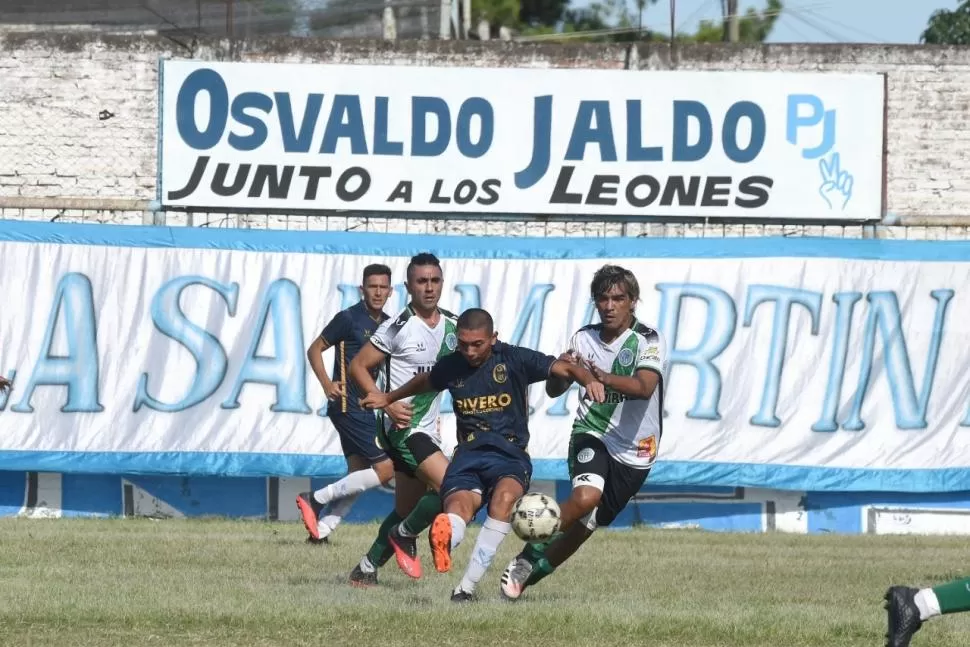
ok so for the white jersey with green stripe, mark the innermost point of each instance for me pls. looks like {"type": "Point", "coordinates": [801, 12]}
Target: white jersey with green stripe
{"type": "Point", "coordinates": [630, 428]}
{"type": "Point", "coordinates": [412, 347]}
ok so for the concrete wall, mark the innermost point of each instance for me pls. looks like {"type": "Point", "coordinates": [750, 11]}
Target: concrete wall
{"type": "Point", "coordinates": [54, 144]}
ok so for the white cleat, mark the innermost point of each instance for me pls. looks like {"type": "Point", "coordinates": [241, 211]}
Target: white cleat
{"type": "Point", "coordinates": [514, 577]}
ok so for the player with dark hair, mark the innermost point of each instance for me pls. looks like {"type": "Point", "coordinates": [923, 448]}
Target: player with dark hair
{"type": "Point", "coordinates": [489, 382]}
{"type": "Point", "coordinates": [614, 443]}
{"type": "Point", "coordinates": [367, 464]}
{"type": "Point", "coordinates": [403, 347]}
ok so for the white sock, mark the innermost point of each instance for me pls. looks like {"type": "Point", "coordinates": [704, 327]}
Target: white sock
{"type": "Point", "coordinates": [457, 530]}
{"type": "Point", "coordinates": [353, 483]}
{"type": "Point", "coordinates": [927, 604]}
{"type": "Point", "coordinates": [489, 539]}
{"type": "Point", "coordinates": [366, 566]}
{"type": "Point", "coordinates": [338, 510]}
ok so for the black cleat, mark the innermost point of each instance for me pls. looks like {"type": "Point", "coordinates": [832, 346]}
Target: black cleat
{"type": "Point", "coordinates": [322, 540]}
{"type": "Point", "coordinates": [361, 579]}
{"type": "Point", "coordinates": [903, 615]}
{"type": "Point", "coordinates": [461, 596]}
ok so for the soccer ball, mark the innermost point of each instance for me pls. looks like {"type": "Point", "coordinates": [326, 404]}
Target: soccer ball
{"type": "Point", "coordinates": [535, 517]}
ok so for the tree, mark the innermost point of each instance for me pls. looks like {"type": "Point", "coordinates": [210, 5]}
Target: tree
{"type": "Point", "coordinates": [948, 27]}
{"type": "Point", "coordinates": [754, 26]}
{"type": "Point", "coordinates": [624, 16]}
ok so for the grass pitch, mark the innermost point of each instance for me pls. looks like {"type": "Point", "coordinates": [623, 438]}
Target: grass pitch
{"type": "Point", "coordinates": [119, 582]}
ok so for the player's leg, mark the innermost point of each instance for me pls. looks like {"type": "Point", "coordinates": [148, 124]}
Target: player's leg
{"type": "Point", "coordinates": [602, 487]}
{"type": "Point", "coordinates": [502, 497]}
{"type": "Point", "coordinates": [339, 508]}
{"type": "Point", "coordinates": [461, 492]}
{"type": "Point", "coordinates": [407, 491]}
{"type": "Point", "coordinates": [431, 466]}
{"type": "Point", "coordinates": [368, 466]}
{"type": "Point", "coordinates": [908, 608]}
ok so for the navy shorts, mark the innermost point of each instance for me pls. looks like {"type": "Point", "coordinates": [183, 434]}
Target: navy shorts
{"type": "Point", "coordinates": [479, 469]}
{"type": "Point", "coordinates": [357, 431]}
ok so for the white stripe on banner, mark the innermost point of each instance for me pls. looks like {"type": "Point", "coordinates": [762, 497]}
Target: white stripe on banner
{"type": "Point", "coordinates": [795, 364]}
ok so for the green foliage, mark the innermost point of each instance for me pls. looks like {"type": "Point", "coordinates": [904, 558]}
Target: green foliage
{"type": "Point", "coordinates": [753, 27]}
{"type": "Point", "coordinates": [555, 16]}
{"type": "Point", "coordinates": [948, 27]}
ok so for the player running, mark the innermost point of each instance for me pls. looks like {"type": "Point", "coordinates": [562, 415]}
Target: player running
{"type": "Point", "coordinates": [489, 382]}
{"type": "Point", "coordinates": [367, 464]}
{"type": "Point", "coordinates": [614, 443]}
{"type": "Point", "coordinates": [406, 346]}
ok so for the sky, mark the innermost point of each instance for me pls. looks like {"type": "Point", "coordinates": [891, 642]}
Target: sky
{"type": "Point", "coordinates": [813, 21]}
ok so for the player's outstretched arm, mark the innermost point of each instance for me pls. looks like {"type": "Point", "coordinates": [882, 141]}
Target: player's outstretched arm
{"type": "Point", "coordinates": [641, 386]}
{"type": "Point", "coordinates": [420, 383]}
{"type": "Point", "coordinates": [555, 385]}
{"type": "Point", "coordinates": [577, 373]}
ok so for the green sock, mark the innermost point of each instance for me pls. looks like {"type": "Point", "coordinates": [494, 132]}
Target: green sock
{"type": "Point", "coordinates": [534, 551]}
{"type": "Point", "coordinates": [381, 551]}
{"type": "Point", "coordinates": [427, 508]}
{"type": "Point", "coordinates": [954, 597]}
{"type": "Point", "coordinates": [541, 568]}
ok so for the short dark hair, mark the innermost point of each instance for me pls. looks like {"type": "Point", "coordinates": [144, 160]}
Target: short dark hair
{"type": "Point", "coordinates": [476, 319]}
{"type": "Point", "coordinates": [610, 276]}
{"type": "Point", "coordinates": [424, 258]}
{"type": "Point", "coordinates": [376, 269]}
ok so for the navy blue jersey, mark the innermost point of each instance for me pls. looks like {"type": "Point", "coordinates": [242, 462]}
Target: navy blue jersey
{"type": "Point", "coordinates": [348, 332]}
{"type": "Point", "coordinates": [492, 400]}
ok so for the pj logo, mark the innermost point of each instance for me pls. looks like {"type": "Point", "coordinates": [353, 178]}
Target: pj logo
{"type": "Point", "coordinates": [807, 112]}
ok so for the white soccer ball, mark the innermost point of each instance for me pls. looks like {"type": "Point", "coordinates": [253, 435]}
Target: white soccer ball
{"type": "Point", "coordinates": [535, 517]}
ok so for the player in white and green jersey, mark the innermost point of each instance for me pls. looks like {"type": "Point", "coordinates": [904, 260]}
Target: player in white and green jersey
{"type": "Point", "coordinates": [614, 444]}
{"type": "Point", "coordinates": [403, 347]}
{"type": "Point", "coordinates": [411, 346]}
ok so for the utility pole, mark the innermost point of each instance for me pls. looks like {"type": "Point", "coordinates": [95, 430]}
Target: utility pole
{"type": "Point", "coordinates": [732, 28]}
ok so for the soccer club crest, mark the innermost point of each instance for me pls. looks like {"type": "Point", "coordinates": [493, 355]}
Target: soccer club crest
{"type": "Point", "coordinates": [451, 341]}
{"type": "Point", "coordinates": [625, 358]}
{"type": "Point", "coordinates": [500, 374]}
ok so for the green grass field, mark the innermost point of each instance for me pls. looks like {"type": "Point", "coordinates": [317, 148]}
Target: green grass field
{"type": "Point", "coordinates": [219, 583]}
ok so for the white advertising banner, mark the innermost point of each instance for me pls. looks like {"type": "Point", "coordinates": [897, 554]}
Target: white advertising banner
{"type": "Point", "coordinates": [520, 141]}
{"type": "Point", "coordinates": [795, 364]}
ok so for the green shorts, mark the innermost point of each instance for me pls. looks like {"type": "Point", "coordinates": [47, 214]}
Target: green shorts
{"type": "Point", "coordinates": [406, 448]}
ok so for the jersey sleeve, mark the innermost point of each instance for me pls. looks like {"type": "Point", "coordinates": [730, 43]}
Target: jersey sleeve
{"type": "Point", "coordinates": [338, 329]}
{"type": "Point", "coordinates": [574, 342]}
{"type": "Point", "coordinates": [445, 370]}
{"type": "Point", "coordinates": [535, 365]}
{"type": "Point", "coordinates": [652, 353]}
{"type": "Point", "coordinates": [383, 338]}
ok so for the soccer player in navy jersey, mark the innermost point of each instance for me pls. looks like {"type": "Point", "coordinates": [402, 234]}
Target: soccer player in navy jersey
{"type": "Point", "coordinates": [367, 464]}
{"type": "Point", "coordinates": [489, 383]}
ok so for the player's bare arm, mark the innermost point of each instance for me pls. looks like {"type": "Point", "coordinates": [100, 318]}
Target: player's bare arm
{"type": "Point", "coordinates": [640, 386]}
{"type": "Point", "coordinates": [577, 373]}
{"type": "Point", "coordinates": [555, 385]}
{"type": "Point", "coordinates": [333, 389]}
{"type": "Point", "coordinates": [368, 359]}
{"type": "Point", "coordinates": [420, 383]}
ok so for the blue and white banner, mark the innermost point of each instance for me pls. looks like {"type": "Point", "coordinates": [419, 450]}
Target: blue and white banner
{"type": "Point", "coordinates": [814, 364]}
{"type": "Point", "coordinates": [516, 141]}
